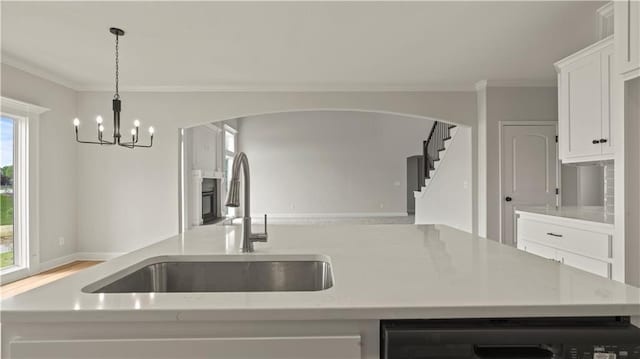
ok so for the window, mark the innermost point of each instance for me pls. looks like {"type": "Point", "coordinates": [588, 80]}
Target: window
{"type": "Point", "coordinates": [7, 141]}
{"type": "Point", "coordinates": [17, 121]}
{"type": "Point", "coordinates": [14, 238]}
{"type": "Point", "coordinates": [229, 152]}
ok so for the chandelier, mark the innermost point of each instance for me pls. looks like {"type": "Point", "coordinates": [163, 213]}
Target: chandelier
{"type": "Point", "coordinates": [117, 107]}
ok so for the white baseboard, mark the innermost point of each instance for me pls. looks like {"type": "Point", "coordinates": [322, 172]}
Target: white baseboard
{"type": "Point", "coordinates": [57, 262]}
{"type": "Point", "coordinates": [331, 215]}
{"type": "Point", "coordinates": [78, 256]}
{"type": "Point", "coordinates": [97, 256]}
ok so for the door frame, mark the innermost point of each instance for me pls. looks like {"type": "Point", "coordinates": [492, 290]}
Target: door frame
{"type": "Point", "coordinates": [501, 126]}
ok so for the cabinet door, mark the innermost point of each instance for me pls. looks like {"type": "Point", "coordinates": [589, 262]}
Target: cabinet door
{"type": "Point", "coordinates": [607, 142]}
{"type": "Point", "coordinates": [585, 263]}
{"type": "Point", "coordinates": [581, 107]}
{"type": "Point", "coordinates": [339, 347]}
{"type": "Point", "coordinates": [627, 34]}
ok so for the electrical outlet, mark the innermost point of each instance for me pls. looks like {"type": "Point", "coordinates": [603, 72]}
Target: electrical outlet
{"type": "Point", "coordinates": [381, 205]}
{"type": "Point", "coordinates": [61, 241]}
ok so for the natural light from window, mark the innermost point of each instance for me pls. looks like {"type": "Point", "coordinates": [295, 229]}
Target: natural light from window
{"type": "Point", "coordinates": [6, 192]}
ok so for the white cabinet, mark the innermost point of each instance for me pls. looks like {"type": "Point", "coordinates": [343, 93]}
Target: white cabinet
{"type": "Point", "coordinates": [339, 347]}
{"type": "Point", "coordinates": [585, 247]}
{"type": "Point", "coordinates": [584, 104]}
{"type": "Point", "coordinates": [627, 33]}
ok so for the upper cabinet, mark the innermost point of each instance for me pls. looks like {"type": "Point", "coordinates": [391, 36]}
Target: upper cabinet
{"type": "Point", "coordinates": [627, 33]}
{"type": "Point", "coordinates": [584, 104]}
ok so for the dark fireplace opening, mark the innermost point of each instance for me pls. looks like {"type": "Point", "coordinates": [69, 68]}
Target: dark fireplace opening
{"type": "Point", "coordinates": [209, 200]}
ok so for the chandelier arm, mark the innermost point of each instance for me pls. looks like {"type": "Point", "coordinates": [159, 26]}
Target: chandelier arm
{"type": "Point", "coordinates": [100, 142]}
{"type": "Point", "coordinates": [107, 142]}
{"type": "Point", "coordinates": [135, 145]}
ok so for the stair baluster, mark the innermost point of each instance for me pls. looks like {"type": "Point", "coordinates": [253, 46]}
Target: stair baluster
{"type": "Point", "coordinates": [440, 132]}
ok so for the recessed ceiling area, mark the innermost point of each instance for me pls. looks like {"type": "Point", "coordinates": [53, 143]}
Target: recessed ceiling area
{"type": "Point", "coordinates": [301, 45]}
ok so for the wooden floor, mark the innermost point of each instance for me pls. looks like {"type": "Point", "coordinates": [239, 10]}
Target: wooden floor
{"type": "Point", "coordinates": [23, 285]}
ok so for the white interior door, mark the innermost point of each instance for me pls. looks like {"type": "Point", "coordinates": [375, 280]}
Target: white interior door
{"type": "Point", "coordinates": [529, 165]}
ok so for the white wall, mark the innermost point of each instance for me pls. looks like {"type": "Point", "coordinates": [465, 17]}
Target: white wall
{"type": "Point", "coordinates": [116, 187]}
{"type": "Point", "coordinates": [632, 182]}
{"type": "Point", "coordinates": [57, 159]}
{"type": "Point", "coordinates": [480, 163]}
{"type": "Point", "coordinates": [510, 104]}
{"type": "Point", "coordinates": [448, 197]}
{"type": "Point", "coordinates": [330, 162]}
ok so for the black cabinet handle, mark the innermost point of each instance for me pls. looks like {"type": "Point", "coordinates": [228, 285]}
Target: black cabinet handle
{"type": "Point", "coordinates": [508, 199]}
{"type": "Point", "coordinates": [554, 235]}
{"type": "Point", "coordinates": [595, 142]}
{"type": "Point", "coordinates": [603, 140]}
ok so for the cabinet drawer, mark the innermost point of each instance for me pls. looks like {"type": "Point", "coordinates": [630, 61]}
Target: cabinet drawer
{"type": "Point", "coordinates": [586, 264]}
{"type": "Point", "coordinates": [589, 243]}
{"type": "Point", "coordinates": [537, 249]}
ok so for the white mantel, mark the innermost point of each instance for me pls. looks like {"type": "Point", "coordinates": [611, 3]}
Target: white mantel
{"type": "Point", "coordinates": [196, 192]}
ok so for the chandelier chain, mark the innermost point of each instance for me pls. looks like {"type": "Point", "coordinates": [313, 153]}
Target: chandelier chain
{"type": "Point", "coordinates": [117, 95]}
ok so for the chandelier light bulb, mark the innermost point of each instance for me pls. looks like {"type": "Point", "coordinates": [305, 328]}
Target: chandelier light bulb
{"type": "Point", "coordinates": [136, 123]}
{"type": "Point", "coordinates": [99, 120]}
{"type": "Point", "coordinates": [100, 128]}
{"type": "Point", "coordinates": [133, 132]}
{"type": "Point", "coordinates": [76, 122]}
{"type": "Point", "coordinates": [151, 130]}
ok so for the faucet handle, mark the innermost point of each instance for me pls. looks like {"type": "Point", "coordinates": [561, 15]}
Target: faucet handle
{"type": "Point", "coordinates": [260, 237]}
{"type": "Point", "coordinates": [265, 225]}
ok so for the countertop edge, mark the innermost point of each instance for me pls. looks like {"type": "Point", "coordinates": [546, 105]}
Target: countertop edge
{"type": "Point", "coordinates": [270, 314]}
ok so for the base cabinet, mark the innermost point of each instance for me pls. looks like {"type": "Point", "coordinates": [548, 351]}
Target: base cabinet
{"type": "Point", "coordinates": [587, 249]}
{"type": "Point", "coordinates": [339, 347]}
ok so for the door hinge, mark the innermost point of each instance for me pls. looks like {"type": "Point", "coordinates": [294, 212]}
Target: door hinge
{"type": "Point", "coordinates": [556, 138]}
{"type": "Point", "coordinates": [557, 190]}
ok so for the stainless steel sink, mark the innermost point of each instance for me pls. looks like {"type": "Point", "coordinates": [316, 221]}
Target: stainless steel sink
{"type": "Point", "coordinates": [233, 274]}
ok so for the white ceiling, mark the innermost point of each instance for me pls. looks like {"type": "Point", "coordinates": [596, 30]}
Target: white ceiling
{"type": "Point", "coordinates": [303, 45]}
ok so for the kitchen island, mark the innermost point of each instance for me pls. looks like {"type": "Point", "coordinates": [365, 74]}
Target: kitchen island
{"type": "Point", "coordinates": [379, 272]}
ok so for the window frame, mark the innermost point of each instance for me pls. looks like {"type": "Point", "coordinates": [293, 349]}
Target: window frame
{"type": "Point", "coordinates": [25, 188]}
{"type": "Point", "coordinates": [231, 212]}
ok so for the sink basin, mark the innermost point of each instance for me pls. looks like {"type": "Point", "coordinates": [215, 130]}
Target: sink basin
{"type": "Point", "coordinates": [229, 274]}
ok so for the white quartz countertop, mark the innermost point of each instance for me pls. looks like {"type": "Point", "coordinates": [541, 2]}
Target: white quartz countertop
{"type": "Point", "coordinates": [584, 213]}
{"type": "Point", "coordinates": [380, 272]}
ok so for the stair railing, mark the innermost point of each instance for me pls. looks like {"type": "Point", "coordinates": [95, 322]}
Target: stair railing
{"type": "Point", "coordinates": [440, 132]}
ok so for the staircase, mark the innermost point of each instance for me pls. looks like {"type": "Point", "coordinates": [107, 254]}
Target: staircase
{"type": "Point", "coordinates": [434, 150]}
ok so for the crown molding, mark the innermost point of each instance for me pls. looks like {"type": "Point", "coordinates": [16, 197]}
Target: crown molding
{"type": "Point", "coordinates": [601, 44]}
{"type": "Point", "coordinates": [483, 84]}
{"type": "Point", "coordinates": [605, 10]}
{"type": "Point", "coordinates": [522, 83]}
{"type": "Point", "coordinates": [21, 106]}
{"type": "Point", "coordinates": [291, 88]}
{"type": "Point", "coordinates": [36, 70]}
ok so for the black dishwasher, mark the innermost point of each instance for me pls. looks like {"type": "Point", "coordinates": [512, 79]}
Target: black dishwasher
{"type": "Point", "coordinates": [514, 338]}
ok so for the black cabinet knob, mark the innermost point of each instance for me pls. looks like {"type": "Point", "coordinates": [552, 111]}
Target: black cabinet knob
{"type": "Point", "coordinates": [603, 140]}
{"type": "Point", "coordinates": [595, 142]}
{"type": "Point", "coordinates": [508, 199]}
